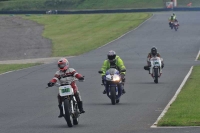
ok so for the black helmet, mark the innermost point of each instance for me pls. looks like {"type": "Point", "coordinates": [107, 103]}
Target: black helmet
{"type": "Point", "coordinates": [153, 51]}
{"type": "Point", "coordinates": [111, 55]}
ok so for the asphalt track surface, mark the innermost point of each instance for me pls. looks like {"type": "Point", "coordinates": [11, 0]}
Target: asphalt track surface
{"type": "Point", "coordinates": [26, 106]}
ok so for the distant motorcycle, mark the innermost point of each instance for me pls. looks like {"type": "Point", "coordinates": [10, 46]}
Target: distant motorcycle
{"type": "Point", "coordinates": [111, 80]}
{"type": "Point", "coordinates": [156, 68]}
{"type": "Point", "coordinates": [176, 25]}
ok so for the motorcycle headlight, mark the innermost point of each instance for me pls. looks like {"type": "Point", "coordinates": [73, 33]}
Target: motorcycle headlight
{"type": "Point", "coordinates": [116, 78]}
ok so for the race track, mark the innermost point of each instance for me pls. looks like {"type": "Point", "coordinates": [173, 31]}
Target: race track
{"type": "Point", "coordinates": [27, 107]}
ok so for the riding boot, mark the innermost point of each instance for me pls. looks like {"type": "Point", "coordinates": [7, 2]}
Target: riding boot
{"type": "Point", "coordinates": [80, 107]}
{"type": "Point", "coordinates": [61, 111]}
{"type": "Point", "coordinates": [104, 92]}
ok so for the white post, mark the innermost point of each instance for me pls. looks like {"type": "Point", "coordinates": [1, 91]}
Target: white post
{"type": "Point", "coordinates": [175, 3]}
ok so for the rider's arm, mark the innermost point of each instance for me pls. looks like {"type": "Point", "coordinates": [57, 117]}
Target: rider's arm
{"type": "Point", "coordinates": [158, 55]}
{"type": "Point", "coordinates": [75, 73]}
{"type": "Point", "coordinates": [56, 77]}
{"type": "Point", "coordinates": [104, 67]}
{"type": "Point", "coordinates": [148, 57]}
{"type": "Point", "coordinates": [121, 65]}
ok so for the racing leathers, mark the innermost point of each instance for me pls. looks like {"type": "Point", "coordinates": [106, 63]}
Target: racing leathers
{"type": "Point", "coordinates": [68, 77]}
{"type": "Point", "coordinates": [118, 64]}
{"type": "Point", "coordinates": [149, 56]}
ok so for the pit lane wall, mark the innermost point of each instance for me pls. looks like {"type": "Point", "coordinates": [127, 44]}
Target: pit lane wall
{"type": "Point", "coordinates": [104, 11]}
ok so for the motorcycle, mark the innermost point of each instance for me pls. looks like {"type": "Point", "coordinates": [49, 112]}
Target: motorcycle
{"type": "Point", "coordinates": [71, 110]}
{"type": "Point", "coordinates": [156, 68]}
{"type": "Point", "coordinates": [171, 24]}
{"type": "Point", "coordinates": [175, 25]}
{"type": "Point", "coordinates": [112, 79]}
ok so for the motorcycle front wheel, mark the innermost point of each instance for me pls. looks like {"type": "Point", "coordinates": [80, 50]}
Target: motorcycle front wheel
{"type": "Point", "coordinates": [113, 95]}
{"type": "Point", "coordinates": [156, 75]}
{"type": "Point", "coordinates": [67, 107]}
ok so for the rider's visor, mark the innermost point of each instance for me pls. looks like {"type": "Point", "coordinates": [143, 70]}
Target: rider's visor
{"type": "Point", "coordinates": [61, 66]}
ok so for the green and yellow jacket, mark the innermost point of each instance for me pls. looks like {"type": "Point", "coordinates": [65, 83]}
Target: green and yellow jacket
{"type": "Point", "coordinates": [117, 64]}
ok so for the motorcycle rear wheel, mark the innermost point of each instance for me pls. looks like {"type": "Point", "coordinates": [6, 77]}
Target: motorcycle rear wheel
{"type": "Point", "coordinates": [75, 119]}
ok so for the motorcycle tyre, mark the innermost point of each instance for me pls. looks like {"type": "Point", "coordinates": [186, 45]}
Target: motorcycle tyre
{"type": "Point", "coordinates": [156, 76]}
{"type": "Point", "coordinates": [75, 120]}
{"type": "Point", "coordinates": [67, 114]}
{"type": "Point", "coordinates": [175, 28]}
{"type": "Point", "coordinates": [113, 95]}
{"type": "Point", "coordinates": [117, 101]}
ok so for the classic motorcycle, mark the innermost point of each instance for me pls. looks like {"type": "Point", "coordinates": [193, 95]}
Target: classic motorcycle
{"type": "Point", "coordinates": [112, 80]}
{"type": "Point", "coordinates": [156, 68]}
{"type": "Point", "coordinates": [175, 25]}
{"type": "Point", "coordinates": [71, 111]}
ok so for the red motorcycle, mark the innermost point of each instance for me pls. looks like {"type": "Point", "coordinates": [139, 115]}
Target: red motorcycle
{"type": "Point", "coordinates": [176, 25]}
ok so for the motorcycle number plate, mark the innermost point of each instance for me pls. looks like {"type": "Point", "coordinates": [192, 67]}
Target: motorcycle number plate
{"type": "Point", "coordinates": [66, 90]}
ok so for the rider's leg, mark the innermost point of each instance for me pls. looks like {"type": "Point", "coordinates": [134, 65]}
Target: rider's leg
{"type": "Point", "coordinates": [60, 106]}
{"type": "Point", "coordinates": [78, 97]}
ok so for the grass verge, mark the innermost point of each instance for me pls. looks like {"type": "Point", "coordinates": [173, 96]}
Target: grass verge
{"type": "Point", "coordinates": [185, 110]}
{"type": "Point", "coordinates": [11, 67]}
{"type": "Point", "coordinates": [77, 34]}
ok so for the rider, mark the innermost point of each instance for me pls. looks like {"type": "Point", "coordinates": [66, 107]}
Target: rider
{"type": "Point", "coordinates": [153, 53]}
{"type": "Point", "coordinates": [172, 18]}
{"type": "Point", "coordinates": [116, 62]}
{"type": "Point", "coordinates": [63, 75]}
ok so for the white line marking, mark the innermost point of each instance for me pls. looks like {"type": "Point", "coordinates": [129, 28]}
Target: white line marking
{"type": "Point", "coordinates": [178, 127]}
{"type": "Point", "coordinates": [173, 99]}
{"type": "Point", "coordinates": [197, 56]}
{"type": "Point", "coordinates": [127, 32]}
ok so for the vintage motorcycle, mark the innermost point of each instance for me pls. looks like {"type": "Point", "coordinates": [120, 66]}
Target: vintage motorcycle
{"type": "Point", "coordinates": [112, 80]}
{"type": "Point", "coordinates": [175, 25]}
{"type": "Point", "coordinates": [71, 110]}
{"type": "Point", "coordinates": [156, 68]}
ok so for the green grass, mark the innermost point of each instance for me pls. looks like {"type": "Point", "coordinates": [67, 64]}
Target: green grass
{"type": "Point", "coordinates": [11, 67]}
{"type": "Point", "coordinates": [186, 108]}
{"type": "Point", "coordinates": [86, 4]}
{"type": "Point", "coordinates": [77, 34]}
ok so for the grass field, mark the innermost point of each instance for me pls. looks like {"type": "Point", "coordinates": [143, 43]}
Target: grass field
{"type": "Point", "coordinates": [87, 4]}
{"type": "Point", "coordinates": [77, 34]}
{"type": "Point", "coordinates": [185, 110]}
{"type": "Point", "coordinates": [11, 67]}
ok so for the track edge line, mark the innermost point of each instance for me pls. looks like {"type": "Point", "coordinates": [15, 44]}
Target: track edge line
{"type": "Point", "coordinates": [173, 98]}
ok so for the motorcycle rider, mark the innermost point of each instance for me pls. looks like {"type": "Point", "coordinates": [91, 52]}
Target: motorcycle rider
{"type": "Point", "coordinates": [113, 61]}
{"type": "Point", "coordinates": [153, 53]}
{"type": "Point", "coordinates": [172, 19]}
{"type": "Point", "coordinates": [61, 75]}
